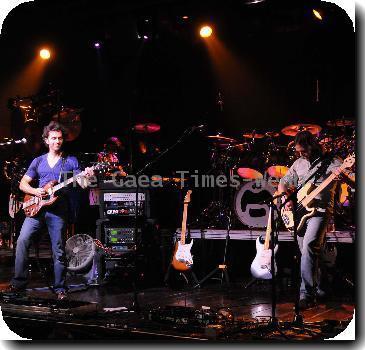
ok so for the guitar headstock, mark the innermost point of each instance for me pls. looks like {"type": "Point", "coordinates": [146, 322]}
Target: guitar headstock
{"type": "Point", "coordinates": [349, 161]}
{"type": "Point", "coordinates": [101, 166]}
{"type": "Point", "coordinates": [187, 197]}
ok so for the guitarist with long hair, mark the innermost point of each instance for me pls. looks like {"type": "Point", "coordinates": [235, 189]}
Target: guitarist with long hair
{"type": "Point", "coordinates": [311, 236]}
{"type": "Point", "coordinates": [52, 166]}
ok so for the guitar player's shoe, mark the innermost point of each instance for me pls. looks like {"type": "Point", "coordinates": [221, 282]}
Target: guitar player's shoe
{"type": "Point", "coordinates": [10, 289]}
{"type": "Point", "coordinates": [307, 303]}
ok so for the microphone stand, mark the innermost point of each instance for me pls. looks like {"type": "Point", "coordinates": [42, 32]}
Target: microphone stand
{"type": "Point", "coordinates": [185, 134]}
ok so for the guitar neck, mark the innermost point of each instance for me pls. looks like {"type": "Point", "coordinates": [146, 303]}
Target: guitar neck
{"type": "Point", "coordinates": [183, 226]}
{"type": "Point", "coordinates": [268, 232]}
{"type": "Point", "coordinates": [318, 189]}
{"type": "Point", "coordinates": [67, 182]}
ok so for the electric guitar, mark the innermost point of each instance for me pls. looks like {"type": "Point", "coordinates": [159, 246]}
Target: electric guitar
{"type": "Point", "coordinates": [33, 204]}
{"type": "Point", "coordinates": [261, 265]}
{"type": "Point", "coordinates": [15, 204]}
{"type": "Point", "coordinates": [182, 259]}
{"type": "Point", "coordinates": [305, 197]}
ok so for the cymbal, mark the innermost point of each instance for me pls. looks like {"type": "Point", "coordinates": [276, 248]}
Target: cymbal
{"type": "Point", "coordinates": [220, 138]}
{"type": "Point", "coordinates": [292, 130]}
{"type": "Point", "coordinates": [147, 128]}
{"type": "Point", "coordinates": [272, 134]}
{"type": "Point", "coordinates": [277, 171]}
{"type": "Point", "coordinates": [167, 179]}
{"type": "Point", "coordinates": [24, 103]}
{"type": "Point", "coordinates": [325, 140]}
{"type": "Point", "coordinates": [70, 119]}
{"type": "Point", "coordinates": [239, 147]}
{"type": "Point", "coordinates": [248, 173]}
{"type": "Point", "coordinates": [253, 135]}
{"type": "Point", "coordinates": [341, 122]}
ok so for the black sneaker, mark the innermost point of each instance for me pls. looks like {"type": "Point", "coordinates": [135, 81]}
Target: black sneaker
{"type": "Point", "coordinates": [10, 289]}
{"type": "Point", "coordinates": [61, 295]}
{"type": "Point", "coordinates": [305, 303]}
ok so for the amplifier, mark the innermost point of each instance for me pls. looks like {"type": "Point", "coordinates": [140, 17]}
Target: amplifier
{"type": "Point", "coordinates": [123, 204]}
{"type": "Point", "coordinates": [120, 235]}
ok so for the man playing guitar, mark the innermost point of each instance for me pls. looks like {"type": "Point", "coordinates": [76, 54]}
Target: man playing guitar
{"type": "Point", "coordinates": [48, 167]}
{"type": "Point", "coordinates": [311, 237]}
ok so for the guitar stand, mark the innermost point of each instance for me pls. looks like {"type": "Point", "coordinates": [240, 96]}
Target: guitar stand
{"type": "Point", "coordinates": [188, 276]}
{"type": "Point", "coordinates": [221, 267]}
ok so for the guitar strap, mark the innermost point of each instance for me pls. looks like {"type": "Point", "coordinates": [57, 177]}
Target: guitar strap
{"type": "Point", "coordinates": [62, 165]}
{"type": "Point", "coordinates": [318, 173]}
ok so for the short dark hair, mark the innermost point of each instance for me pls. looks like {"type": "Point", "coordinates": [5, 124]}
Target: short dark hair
{"type": "Point", "coordinates": [54, 126]}
{"type": "Point", "coordinates": [308, 142]}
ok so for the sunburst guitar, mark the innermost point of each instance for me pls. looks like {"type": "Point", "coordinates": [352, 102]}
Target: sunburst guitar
{"type": "Point", "coordinates": [182, 259]}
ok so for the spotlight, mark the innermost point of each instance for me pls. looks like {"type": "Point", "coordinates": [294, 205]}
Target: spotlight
{"type": "Point", "coordinates": [45, 54]}
{"type": "Point", "coordinates": [185, 17]}
{"type": "Point", "coordinates": [317, 14]}
{"type": "Point", "coordinates": [206, 31]}
{"type": "Point", "coordinates": [97, 44]}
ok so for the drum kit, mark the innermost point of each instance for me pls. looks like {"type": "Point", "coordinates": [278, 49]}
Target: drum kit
{"type": "Point", "coordinates": [260, 161]}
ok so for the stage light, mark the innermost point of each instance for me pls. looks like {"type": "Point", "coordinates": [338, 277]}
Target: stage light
{"type": "Point", "coordinates": [45, 54]}
{"type": "Point", "coordinates": [97, 45]}
{"type": "Point", "coordinates": [206, 31]}
{"type": "Point", "coordinates": [185, 17]}
{"type": "Point", "coordinates": [317, 14]}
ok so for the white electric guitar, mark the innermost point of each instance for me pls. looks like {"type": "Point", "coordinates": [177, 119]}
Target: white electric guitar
{"type": "Point", "coordinates": [182, 259]}
{"type": "Point", "coordinates": [261, 265]}
{"type": "Point", "coordinates": [305, 198]}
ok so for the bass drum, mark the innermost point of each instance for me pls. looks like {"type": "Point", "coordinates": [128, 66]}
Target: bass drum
{"type": "Point", "coordinates": [246, 203]}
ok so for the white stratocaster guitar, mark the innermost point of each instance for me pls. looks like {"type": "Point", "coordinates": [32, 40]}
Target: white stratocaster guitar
{"type": "Point", "coordinates": [305, 197]}
{"type": "Point", "coordinates": [261, 265]}
{"type": "Point", "coordinates": [182, 259]}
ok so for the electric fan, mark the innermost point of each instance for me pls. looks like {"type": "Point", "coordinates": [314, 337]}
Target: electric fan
{"type": "Point", "coordinates": [80, 250]}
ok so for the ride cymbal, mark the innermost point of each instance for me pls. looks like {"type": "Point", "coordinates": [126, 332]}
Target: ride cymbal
{"type": "Point", "coordinates": [147, 128]}
{"type": "Point", "coordinates": [292, 130]}
{"type": "Point", "coordinates": [341, 122]}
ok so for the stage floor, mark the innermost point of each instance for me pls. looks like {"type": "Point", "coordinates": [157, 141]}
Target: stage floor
{"type": "Point", "coordinates": [117, 318]}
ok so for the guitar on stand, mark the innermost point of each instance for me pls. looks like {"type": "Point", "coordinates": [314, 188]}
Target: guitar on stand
{"type": "Point", "coordinates": [182, 259]}
{"type": "Point", "coordinates": [261, 265]}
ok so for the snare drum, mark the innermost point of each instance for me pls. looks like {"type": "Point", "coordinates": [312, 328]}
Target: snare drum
{"type": "Point", "coordinates": [246, 203]}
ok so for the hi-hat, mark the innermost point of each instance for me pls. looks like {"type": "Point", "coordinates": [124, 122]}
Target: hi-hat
{"type": "Point", "coordinates": [292, 130]}
{"type": "Point", "coordinates": [147, 128]}
{"type": "Point", "coordinates": [253, 135]}
{"type": "Point", "coordinates": [219, 138]}
{"type": "Point", "coordinates": [272, 134]}
{"type": "Point", "coordinates": [341, 122]}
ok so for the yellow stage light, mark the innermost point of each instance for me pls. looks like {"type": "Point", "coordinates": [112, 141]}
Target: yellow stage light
{"type": "Point", "coordinates": [206, 31]}
{"type": "Point", "coordinates": [45, 54]}
{"type": "Point", "coordinates": [317, 14]}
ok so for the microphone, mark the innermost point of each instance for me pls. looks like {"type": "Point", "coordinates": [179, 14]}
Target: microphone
{"type": "Point", "coordinates": [220, 101]}
{"type": "Point", "coordinates": [199, 127]}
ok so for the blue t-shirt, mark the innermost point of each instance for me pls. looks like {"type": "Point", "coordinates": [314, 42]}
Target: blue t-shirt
{"type": "Point", "coordinates": [40, 170]}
